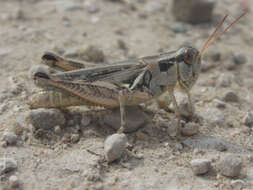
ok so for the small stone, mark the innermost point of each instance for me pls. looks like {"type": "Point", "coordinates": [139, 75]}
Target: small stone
{"type": "Point", "coordinates": [229, 65]}
{"type": "Point", "coordinates": [85, 121]}
{"type": "Point", "coordinates": [71, 53]}
{"type": "Point", "coordinates": [14, 181]}
{"type": "Point", "coordinates": [178, 146]}
{"type": "Point", "coordinates": [179, 27]}
{"type": "Point", "coordinates": [231, 97]}
{"type": "Point", "coordinates": [75, 138]}
{"type": "Point", "coordinates": [67, 5]}
{"type": "Point", "coordinates": [214, 55]}
{"type": "Point", "coordinates": [240, 58]}
{"type": "Point", "coordinates": [45, 118]}
{"type": "Point", "coordinates": [57, 129]}
{"type": "Point", "coordinates": [122, 45]}
{"type": "Point", "coordinates": [190, 129]}
{"type": "Point", "coordinates": [200, 166]}
{"type": "Point", "coordinates": [230, 166]}
{"type": "Point", "coordinates": [194, 11]}
{"type": "Point", "coordinates": [7, 165]}
{"type": "Point", "coordinates": [219, 104]}
{"type": "Point", "coordinates": [91, 7]}
{"type": "Point", "coordinates": [248, 119]}
{"type": "Point", "coordinates": [153, 6]}
{"type": "Point", "coordinates": [238, 184]}
{"type": "Point", "coordinates": [92, 53]}
{"type": "Point", "coordinates": [10, 137]}
{"type": "Point", "coordinates": [18, 14]}
{"type": "Point", "coordinates": [4, 144]}
{"type": "Point", "coordinates": [115, 146]}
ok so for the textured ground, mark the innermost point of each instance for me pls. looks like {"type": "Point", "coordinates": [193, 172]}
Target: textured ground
{"type": "Point", "coordinates": [59, 161]}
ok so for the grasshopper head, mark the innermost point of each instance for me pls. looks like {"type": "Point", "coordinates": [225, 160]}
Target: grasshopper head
{"type": "Point", "coordinates": [189, 61]}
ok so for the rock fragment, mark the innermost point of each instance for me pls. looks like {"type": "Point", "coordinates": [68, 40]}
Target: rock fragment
{"type": "Point", "coordinates": [238, 184]}
{"type": "Point", "coordinates": [75, 138]}
{"type": "Point", "coordinates": [200, 166]}
{"type": "Point", "coordinates": [115, 146]}
{"type": "Point", "coordinates": [7, 165]}
{"type": "Point", "coordinates": [10, 138]}
{"type": "Point", "coordinates": [239, 58]}
{"type": "Point", "coordinates": [230, 166]}
{"type": "Point", "coordinates": [92, 53]}
{"type": "Point", "coordinates": [248, 119]}
{"type": "Point", "coordinates": [45, 118]}
{"type": "Point", "coordinates": [67, 5]}
{"type": "Point", "coordinates": [190, 129]}
{"type": "Point", "coordinates": [179, 27]}
{"type": "Point", "coordinates": [231, 97]}
{"type": "Point", "coordinates": [194, 11]}
{"type": "Point", "coordinates": [14, 181]}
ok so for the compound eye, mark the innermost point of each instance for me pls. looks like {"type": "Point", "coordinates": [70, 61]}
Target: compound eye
{"type": "Point", "coordinates": [188, 57]}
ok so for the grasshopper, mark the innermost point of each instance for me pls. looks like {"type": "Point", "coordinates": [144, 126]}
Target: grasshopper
{"type": "Point", "coordinates": [123, 83]}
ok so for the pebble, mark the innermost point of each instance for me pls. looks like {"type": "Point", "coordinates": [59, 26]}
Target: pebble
{"type": "Point", "coordinates": [75, 138]}
{"type": "Point", "coordinates": [14, 181]}
{"type": "Point", "coordinates": [67, 5]}
{"type": "Point", "coordinates": [239, 58]}
{"type": "Point", "coordinates": [230, 166]}
{"type": "Point", "coordinates": [122, 44]}
{"type": "Point", "coordinates": [115, 146]}
{"type": "Point", "coordinates": [231, 97]}
{"type": "Point", "coordinates": [200, 166]}
{"type": "Point", "coordinates": [71, 53]}
{"type": "Point", "coordinates": [215, 55]}
{"type": "Point", "coordinates": [45, 118]}
{"type": "Point", "coordinates": [190, 129]}
{"type": "Point", "coordinates": [7, 165]}
{"type": "Point", "coordinates": [194, 11]}
{"type": "Point", "coordinates": [238, 184]}
{"type": "Point", "coordinates": [85, 121]}
{"type": "Point", "coordinates": [219, 104]}
{"type": "Point", "coordinates": [10, 137]}
{"type": "Point", "coordinates": [179, 27]}
{"type": "Point", "coordinates": [57, 129]}
{"type": "Point", "coordinates": [92, 53]}
{"type": "Point", "coordinates": [153, 6]}
{"type": "Point", "coordinates": [135, 118]}
{"type": "Point", "coordinates": [248, 119]}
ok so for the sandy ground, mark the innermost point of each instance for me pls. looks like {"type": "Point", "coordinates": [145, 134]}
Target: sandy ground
{"type": "Point", "coordinates": [31, 27]}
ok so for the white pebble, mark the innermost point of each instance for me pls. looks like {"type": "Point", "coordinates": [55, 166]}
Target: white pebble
{"type": "Point", "coordinates": [115, 146]}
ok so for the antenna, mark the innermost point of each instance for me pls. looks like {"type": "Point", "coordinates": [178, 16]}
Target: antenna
{"type": "Point", "coordinates": [213, 37]}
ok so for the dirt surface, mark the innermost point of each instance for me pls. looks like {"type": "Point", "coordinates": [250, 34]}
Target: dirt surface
{"type": "Point", "coordinates": [71, 157]}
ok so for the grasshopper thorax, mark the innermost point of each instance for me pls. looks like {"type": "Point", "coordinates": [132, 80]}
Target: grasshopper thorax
{"type": "Point", "coordinates": [188, 66]}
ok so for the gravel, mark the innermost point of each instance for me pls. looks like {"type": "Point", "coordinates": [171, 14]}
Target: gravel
{"type": "Point", "coordinates": [200, 166]}
{"type": "Point", "coordinates": [231, 97]}
{"type": "Point", "coordinates": [10, 137]}
{"type": "Point", "coordinates": [248, 119]}
{"type": "Point", "coordinates": [14, 181]}
{"type": "Point", "coordinates": [190, 129]}
{"type": "Point", "coordinates": [238, 184]}
{"type": "Point", "coordinates": [115, 146]}
{"type": "Point", "coordinates": [239, 58]}
{"type": "Point", "coordinates": [230, 166]}
{"type": "Point", "coordinates": [7, 165]}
